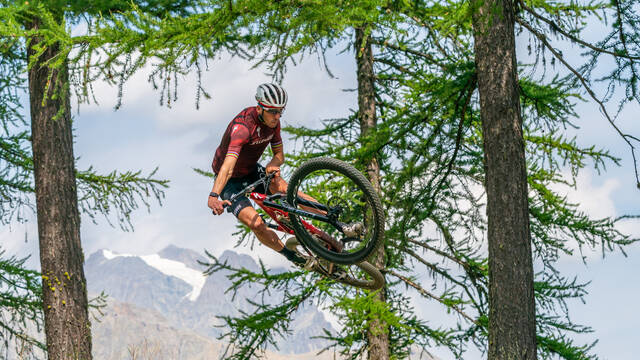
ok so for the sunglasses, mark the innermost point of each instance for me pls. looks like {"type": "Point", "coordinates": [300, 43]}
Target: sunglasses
{"type": "Point", "coordinates": [274, 111]}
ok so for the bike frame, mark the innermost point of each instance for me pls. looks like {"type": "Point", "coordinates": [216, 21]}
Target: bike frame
{"type": "Point", "coordinates": [279, 211]}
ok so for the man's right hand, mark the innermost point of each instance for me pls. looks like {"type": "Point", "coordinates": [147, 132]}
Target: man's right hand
{"type": "Point", "coordinates": [217, 205]}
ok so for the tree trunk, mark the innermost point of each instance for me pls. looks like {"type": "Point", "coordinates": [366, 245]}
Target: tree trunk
{"type": "Point", "coordinates": [67, 326]}
{"type": "Point", "coordinates": [512, 331]}
{"type": "Point", "coordinates": [378, 332]}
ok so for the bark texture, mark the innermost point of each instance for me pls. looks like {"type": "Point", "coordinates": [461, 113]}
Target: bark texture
{"type": "Point", "coordinates": [378, 332]}
{"type": "Point", "coordinates": [512, 332]}
{"type": "Point", "coordinates": [67, 326]}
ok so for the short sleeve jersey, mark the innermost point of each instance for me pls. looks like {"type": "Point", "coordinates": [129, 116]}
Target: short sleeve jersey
{"type": "Point", "coordinates": [246, 138]}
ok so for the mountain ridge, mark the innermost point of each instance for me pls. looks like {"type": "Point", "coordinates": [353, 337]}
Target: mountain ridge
{"type": "Point", "coordinates": [141, 282]}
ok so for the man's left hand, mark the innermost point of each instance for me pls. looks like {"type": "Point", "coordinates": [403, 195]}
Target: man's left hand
{"type": "Point", "coordinates": [272, 168]}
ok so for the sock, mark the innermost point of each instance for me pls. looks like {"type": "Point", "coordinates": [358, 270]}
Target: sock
{"type": "Point", "coordinates": [291, 255]}
{"type": "Point", "coordinates": [287, 253]}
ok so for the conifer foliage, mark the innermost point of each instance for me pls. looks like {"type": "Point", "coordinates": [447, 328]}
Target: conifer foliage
{"type": "Point", "coordinates": [429, 143]}
{"type": "Point", "coordinates": [34, 53]}
{"type": "Point", "coordinates": [20, 308]}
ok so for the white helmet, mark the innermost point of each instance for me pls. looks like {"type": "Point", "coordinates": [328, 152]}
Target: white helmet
{"type": "Point", "coordinates": [271, 96]}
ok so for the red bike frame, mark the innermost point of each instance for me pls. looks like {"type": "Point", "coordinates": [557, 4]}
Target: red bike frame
{"type": "Point", "coordinates": [280, 216]}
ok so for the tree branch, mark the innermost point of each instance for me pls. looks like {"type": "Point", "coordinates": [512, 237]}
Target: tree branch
{"type": "Point", "coordinates": [426, 293]}
{"type": "Point", "coordinates": [409, 51]}
{"type": "Point", "coordinates": [558, 56]}
{"type": "Point", "coordinates": [573, 38]}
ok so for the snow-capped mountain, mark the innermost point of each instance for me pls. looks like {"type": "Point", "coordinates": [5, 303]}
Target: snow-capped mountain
{"type": "Point", "coordinates": [169, 267]}
{"type": "Point", "coordinates": [171, 285]}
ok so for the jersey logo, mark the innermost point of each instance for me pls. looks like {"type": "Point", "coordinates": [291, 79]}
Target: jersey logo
{"type": "Point", "coordinates": [260, 141]}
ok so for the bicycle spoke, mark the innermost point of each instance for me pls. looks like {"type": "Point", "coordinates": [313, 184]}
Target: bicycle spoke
{"type": "Point", "coordinates": [352, 223]}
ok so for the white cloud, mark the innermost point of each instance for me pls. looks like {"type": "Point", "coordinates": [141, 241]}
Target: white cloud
{"type": "Point", "coordinates": [231, 82]}
{"type": "Point", "coordinates": [593, 198]}
{"type": "Point", "coordinates": [20, 240]}
{"type": "Point", "coordinates": [630, 227]}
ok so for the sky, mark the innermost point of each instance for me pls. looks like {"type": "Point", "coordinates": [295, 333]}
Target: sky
{"type": "Point", "coordinates": [143, 135]}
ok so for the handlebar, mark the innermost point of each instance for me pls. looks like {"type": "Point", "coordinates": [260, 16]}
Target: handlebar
{"type": "Point", "coordinates": [266, 180]}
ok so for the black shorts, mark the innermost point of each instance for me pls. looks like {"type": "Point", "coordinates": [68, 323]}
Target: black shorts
{"type": "Point", "coordinates": [235, 185]}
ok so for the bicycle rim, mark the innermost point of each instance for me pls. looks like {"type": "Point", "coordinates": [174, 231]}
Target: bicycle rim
{"type": "Point", "coordinates": [338, 186]}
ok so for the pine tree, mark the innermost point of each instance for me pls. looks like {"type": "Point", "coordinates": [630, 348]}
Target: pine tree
{"type": "Point", "coordinates": [512, 316]}
{"type": "Point", "coordinates": [294, 37]}
{"type": "Point", "coordinates": [378, 331]}
{"type": "Point", "coordinates": [428, 143]}
{"type": "Point", "coordinates": [432, 127]}
{"type": "Point", "coordinates": [32, 33]}
{"type": "Point", "coordinates": [512, 323]}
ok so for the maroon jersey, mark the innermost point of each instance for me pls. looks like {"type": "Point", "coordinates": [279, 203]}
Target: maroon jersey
{"type": "Point", "coordinates": [246, 138]}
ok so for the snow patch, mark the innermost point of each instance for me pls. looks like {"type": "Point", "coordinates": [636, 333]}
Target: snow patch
{"type": "Point", "coordinates": [192, 277]}
{"type": "Point", "coordinates": [174, 268]}
{"type": "Point", "coordinates": [109, 255]}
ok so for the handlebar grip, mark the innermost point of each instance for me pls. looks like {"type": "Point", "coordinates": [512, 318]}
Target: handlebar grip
{"type": "Point", "coordinates": [224, 206]}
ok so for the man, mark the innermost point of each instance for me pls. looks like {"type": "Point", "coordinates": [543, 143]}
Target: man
{"type": "Point", "coordinates": [236, 163]}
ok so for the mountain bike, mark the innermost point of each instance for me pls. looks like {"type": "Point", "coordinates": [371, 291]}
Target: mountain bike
{"type": "Point", "coordinates": [335, 215]}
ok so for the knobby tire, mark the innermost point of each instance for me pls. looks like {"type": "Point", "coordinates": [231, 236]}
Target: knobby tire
{"type": "Point", "coordinates": [344, 258]}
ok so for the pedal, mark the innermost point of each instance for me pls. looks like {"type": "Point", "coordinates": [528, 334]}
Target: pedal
{"type": "Point", "coordinates": [310, 264]}
{"type": "Point", "coordinates": [339, 275]}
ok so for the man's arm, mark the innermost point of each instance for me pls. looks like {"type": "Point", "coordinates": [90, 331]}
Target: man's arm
{"type": "Point", "coordinates": [239, 137]}
{"type": "Point", "coordinates": [276, 162]}
{"type": "Point", "coordinates": [278, 153]}
{"type": "Point", "coordinates": [226, 170]}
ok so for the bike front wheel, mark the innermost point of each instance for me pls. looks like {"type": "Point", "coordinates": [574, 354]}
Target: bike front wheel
{"type": "Point", "coordinates": [351, 211]}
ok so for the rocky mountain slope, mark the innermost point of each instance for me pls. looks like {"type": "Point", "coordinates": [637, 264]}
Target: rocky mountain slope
{"type": "Point", "coordinates": [162, 301]}
{"type": "Point", "coordinates": [126, 331]}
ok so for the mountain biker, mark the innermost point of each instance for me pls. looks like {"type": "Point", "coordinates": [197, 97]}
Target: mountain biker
{"type": "Point", "coordinates": [236, 163]}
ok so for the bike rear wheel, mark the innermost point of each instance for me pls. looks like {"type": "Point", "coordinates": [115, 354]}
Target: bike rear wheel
{"type": "Point", "coordinates": [366, 276]}
{"type": "Point", "coordinates": [338, 190]}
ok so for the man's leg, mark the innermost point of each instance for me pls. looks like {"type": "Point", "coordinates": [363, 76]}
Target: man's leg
{"type": "Point", "coordinates": [250, 217]}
